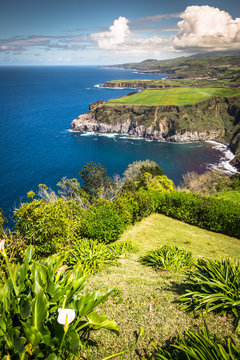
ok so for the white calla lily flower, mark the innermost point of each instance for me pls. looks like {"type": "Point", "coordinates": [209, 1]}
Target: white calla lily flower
{"type": "Point", "coordinates": [65, 316]}
{"type": "Point", "coordinates": [2, 247]}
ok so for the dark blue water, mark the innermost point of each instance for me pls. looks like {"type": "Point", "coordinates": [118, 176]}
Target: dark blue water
{"type": "Point", "coordinates": [37, 105]}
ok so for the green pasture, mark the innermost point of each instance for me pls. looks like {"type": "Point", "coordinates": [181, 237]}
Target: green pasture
{"type": "Point", "coordinates": [174, 96]}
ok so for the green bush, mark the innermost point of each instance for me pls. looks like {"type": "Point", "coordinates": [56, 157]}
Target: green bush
{"type": "Point", "coordinates": [135, 205]}
{"type": "Point", "coordinates": [50, 227]}
{"type": "Point", "coordinates": [93, 255]}
{"type": "Point", "coordinates": [103, 222]}
{"type": "Point", "coordinates": [200, 345]}
{"type": "Point", "coordinates": [168, 258]}
{"type": "Point", "coordinates": [44, 312]}
{"type": "Point", "coordinates": [205, 212]}
{"type": "Point", "coordinates": [214, 286]}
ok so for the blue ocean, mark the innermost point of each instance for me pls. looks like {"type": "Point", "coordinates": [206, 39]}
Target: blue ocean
{"type": "Point", "coordinates": [37, 105]}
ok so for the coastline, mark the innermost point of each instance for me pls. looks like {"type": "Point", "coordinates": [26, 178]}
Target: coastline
{"type": "Point", "coordinates": [223, 164]}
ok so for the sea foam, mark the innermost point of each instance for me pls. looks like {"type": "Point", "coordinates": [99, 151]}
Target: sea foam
{"type": "Point", "coordinates": [224, 162]}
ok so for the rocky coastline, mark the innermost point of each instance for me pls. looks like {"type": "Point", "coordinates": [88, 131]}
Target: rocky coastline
{"type": "Point", "coordinates": [215, 119]}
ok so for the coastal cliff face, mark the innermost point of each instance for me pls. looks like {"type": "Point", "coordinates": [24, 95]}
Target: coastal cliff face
{"type": "Point", "coordinates": [134, 84]}
{"type": "Point", "coordinates": [211, 119]}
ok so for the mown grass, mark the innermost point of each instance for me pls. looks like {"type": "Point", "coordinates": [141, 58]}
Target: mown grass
{"type": "Point", "coordinates": [159, 230]}
{"type": "Point", "coordinates": [173, 96]}
{"type": "Point", "coordinates": [145, 297]}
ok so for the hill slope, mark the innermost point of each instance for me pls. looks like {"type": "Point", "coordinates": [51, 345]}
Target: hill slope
{"type": "Point", "coordinates": [146, 298]}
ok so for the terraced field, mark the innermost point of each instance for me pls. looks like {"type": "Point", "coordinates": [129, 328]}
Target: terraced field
{"type": "Point", "coordinates": [174, 96]}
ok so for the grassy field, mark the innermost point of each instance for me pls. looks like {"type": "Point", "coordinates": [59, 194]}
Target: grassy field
{"type": "Point", "coordinates": [146, 298]}
{"type": "Point", "coordinates": [174, 96]}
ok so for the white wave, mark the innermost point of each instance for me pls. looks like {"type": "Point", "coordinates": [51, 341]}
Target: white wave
{"type": "Point", "coordinates": [97, 85]}
{"type": "Point", "coordinates": [224, 163]}
{"type": "Point", "coordinates": [87, 133]}
{"type": "Point", "coordinates": [109, 135]}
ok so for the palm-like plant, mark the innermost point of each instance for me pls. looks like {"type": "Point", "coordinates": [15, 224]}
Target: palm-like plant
{"type": "Point", "coordinates": [199, 345]}
{"type": "Point", "coordinates": [168, 258]}
{"type": "Point", "coordinates": [214, 286]}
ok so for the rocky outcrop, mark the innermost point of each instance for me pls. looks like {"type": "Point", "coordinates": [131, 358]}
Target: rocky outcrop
{"type": "Point", "coordinates": [88, 123]}
{"type": "Point", "coordinates": [211, 119]}
{"type": "Point", "coordinates": [143, 84]}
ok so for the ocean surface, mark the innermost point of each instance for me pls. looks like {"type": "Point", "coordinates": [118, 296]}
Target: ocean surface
{"type": "Point", "coordinates": [37, 105]}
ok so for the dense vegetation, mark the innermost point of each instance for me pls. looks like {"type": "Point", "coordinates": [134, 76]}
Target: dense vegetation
{"type": "Point", "coordinates": [174, 96]}
{"type": "Point", "coordinates": [222, 67]}
{"type": "Point", "coordinates": [72, 234]}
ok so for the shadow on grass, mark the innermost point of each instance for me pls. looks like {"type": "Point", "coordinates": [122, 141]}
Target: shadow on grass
{"type": "Point", "coordinates": [178, 288]}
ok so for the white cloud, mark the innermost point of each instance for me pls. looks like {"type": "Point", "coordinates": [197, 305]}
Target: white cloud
{"type": "Point", "coordinates": [116, 35]}
{"type": "Point", "coordinates": [201, 28]}
{"type": "Point", "coordinates": [206, 27]}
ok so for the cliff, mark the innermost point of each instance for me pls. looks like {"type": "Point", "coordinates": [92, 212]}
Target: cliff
{"type": "Point", "coordinates": [212, 119]}
{"type": "Point", "coordinates": [143, 84]}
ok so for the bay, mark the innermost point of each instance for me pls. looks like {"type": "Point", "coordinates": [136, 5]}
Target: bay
{"type": "Point", "coordinates": [37, 105]}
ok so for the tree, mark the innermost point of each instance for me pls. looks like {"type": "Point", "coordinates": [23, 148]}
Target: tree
{"type": "Point", "coordinates": [95, 178]}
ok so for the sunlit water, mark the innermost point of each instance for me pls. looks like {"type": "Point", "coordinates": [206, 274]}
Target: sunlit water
{"type": "Point", "coordinates": [37, 105]}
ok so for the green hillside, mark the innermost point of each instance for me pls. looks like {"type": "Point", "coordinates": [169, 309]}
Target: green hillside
{"type": "Point", "coordinates": [147, 298]}
{"type": "Point", "coordinates": [174, 96]}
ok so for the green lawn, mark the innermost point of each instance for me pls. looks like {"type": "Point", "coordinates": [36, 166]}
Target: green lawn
{"type": "Point", "coordinates": [146, 298]}
{"type": "Point", "coordinates": [174, 96]}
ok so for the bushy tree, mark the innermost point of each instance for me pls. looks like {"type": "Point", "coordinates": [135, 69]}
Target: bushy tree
{"type": "Point", "coordinates": [158, 183]}
{"type": "Point", "coordinates": [95, 178]}
{"type": "Point", "coordinates": [137, 169]}
{"type": "Point", "coordinates": [48, 226]}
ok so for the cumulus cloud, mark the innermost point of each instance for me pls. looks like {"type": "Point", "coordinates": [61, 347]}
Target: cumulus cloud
{"type": "Point", "coordinates": [206, 27]}
{"type": "Point", "coordinates": [202, 28]}
{"type": "Point", "coordinates": [116, 35]}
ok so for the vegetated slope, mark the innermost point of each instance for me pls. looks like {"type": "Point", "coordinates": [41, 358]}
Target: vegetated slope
{"type": "Point", "coordinates": [158, 230]}
{"type": "Point", "coordinates": [145, 297]}
{"type": "Point", "coordinates": [187, 67]}
{"type": "Point", "coordinates": [215, 118]}
{"type": "Point", "coordinates": [174, 96]}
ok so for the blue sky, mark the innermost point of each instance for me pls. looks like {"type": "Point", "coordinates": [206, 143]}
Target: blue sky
{"type": "Point", "coordinates": [76, 32]}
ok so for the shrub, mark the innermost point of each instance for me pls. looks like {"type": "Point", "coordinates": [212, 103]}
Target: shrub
{"type": "Point", "coordinates": [93, 255]}
{"type": "Point", "coordinates": [135, 205]}
{"type": "Point", "coordinates": [205, 212]}
{"type": "Point", "coordinates": [214, 286]}
{"type": "Point", "coordinates": [168, 258]}
{"type": "Point", "coordinates": [122, 248]}
{"type": "Point", "coordinates": [103, 222]}
{"type": "Point", "coordinates": [200, 345]}
{"type": "Point", "coordinates": [50, 227]}
{"type": "Point", "coordinates": [137, 169]}
{"type": "Point", "coordinates": [158, 183]}
{"type": "Point", "coordinates": [44, 313]}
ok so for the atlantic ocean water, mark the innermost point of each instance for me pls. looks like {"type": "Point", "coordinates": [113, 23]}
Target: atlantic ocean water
{"type": "Point", "coordinates": [37, 105]}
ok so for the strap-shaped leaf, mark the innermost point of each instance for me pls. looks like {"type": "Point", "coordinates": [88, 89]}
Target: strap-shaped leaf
{"type": "Point", "coordinates": [25, 307]}
{"type": "Point", "coordinates": [39, 307]}
{"type": "Point", "coordinates": [97, 321]}
{"type": "Point", "coordinates": [87, 302]}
